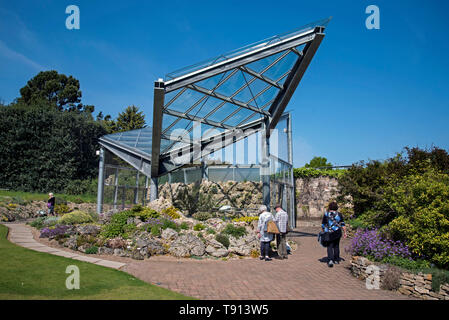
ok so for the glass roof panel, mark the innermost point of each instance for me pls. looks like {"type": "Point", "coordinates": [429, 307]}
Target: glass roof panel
{"type": "Point", "coordinates": [255, 46]}
{"type": "Point", "coordinates": [186, 100]}
{"type": "Point", "coordinates": [212, 82]}
{"type": "Point", "coordinates": [138, 140]}
{"type": "Point", "coordinates": [241, 115]}
{"type": "Point", "coordinates": [261, 64]}
{"type": "Point", "coordinates": [282, 66]}
{"type": "Point", "coordinates": [205, 107]}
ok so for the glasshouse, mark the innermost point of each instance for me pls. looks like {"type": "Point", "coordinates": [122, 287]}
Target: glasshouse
{"type": "Point", "coordinates": [219, 126]}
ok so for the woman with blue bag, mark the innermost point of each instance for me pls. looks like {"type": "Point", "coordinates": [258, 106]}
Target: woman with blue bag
{"type": "Point", "coordinates": [332, 224]}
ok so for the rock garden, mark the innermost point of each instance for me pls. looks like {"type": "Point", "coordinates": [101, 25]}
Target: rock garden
{"type": "Point", "coordinates": [159, 229]}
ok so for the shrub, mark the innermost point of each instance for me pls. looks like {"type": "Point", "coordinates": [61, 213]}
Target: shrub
{"type": "Point", "coordinates": [407, 264]}
{"type": "Point", "coordinates": [82, 240]}
{"type": "Point", "coordinates": [168, 223]}
{"type": "Point", "coordinates": [128, 229]}
{"type": "Point", "coordinates": [191, 200]}
{"type": "Point", "coordinates": [211, 231]}
{"type": "Point", "coordinates": [236, 232]}
{"type": "Point", "coordinates": [223, 239]}
{"type": "Point", "coordinates": [391, 279]}
{"type": "Point", "coordinates": [19, 200]}
{"type": "Point", "coordinates": [117, 225]}
{"type": "Point", "coordinates": [358, 223]}
{"type": "Point", "coordinates": [370, 243]}
{"type": "Point", "coordinates": [171, 212]}
{"type": "Point", "coordinates": [147, 213]}
{"type": "Point", "coordinates": [61, 209]}
{"type": "Point", "coordinates": [150, 223]}
{"type": "Point", "coordinates": [92, 250]}
{"type": "Point", "coordinates": [184, 226]}
{"type": "Point", "coordinates": [421, 202]}
{"type": "Point", "coordinates": [75, 217]}
{"type": "Point", "coordinates": [439, 277]}
{"type": "Point", "coordinates": [50, 221]}
{"type": "Point", "coordinates": [38, 223]}
{"type": "Point", "coordinates": [202, 216]}
{"type": "Point", "coordinates": [199, 227]}
{"type": "Point", "coordinates": [155, 231]}
{"type": "Point", "coordinates": [254, 253]}
{"type": "Point", "coordinates": [245, 219]}
{"type": "Point", "coordinates": [137, 208]}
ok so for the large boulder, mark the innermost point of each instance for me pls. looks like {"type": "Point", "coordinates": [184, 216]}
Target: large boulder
{"type": "Point", "coordinates": [169, 234]}
{"type": "Point", "coordinates": [216, 249]}
{"type": "Point", "coordinates": [147, 245]}
{"type": "Point", "coordinates": [105, 250]}
{"type": "Point", "coordinates": [71, 243]}
{"type": "Point", "coordinates": [116, 243]}
{"type": "Point", "coordinates": [187, 245]}
{"type": "Point", "coordinates": [243, 246]}
{"type": "Point", "coordinates": [159, 204]}
{"type": "Point", "coordinates": [88, 230]}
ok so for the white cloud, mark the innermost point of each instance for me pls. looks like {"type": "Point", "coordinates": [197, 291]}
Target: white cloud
{"type": "Point", "coordinates": [17, 56]}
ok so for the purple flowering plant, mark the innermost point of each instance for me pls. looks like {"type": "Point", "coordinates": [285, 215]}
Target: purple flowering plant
{"type": "Point", "coordinates": [53, 232]}
{"type": "Point", "coordinates": [370, 243]}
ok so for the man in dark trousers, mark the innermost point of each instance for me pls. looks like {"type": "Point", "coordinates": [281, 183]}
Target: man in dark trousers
{"type": "Point", "coordinates": [281, 220]}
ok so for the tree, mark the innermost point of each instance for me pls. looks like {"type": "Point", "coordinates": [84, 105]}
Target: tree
{"type": "Point", "coordinates": [130, 119]}
{"type": "Point", "coordinates": [318, 162]}
{"type": "Point", "coordinates": [49, 86]}
{"type": "Point", "coordinates": [44, 150]}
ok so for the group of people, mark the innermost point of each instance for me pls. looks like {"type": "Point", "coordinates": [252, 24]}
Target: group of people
{"type": "Point", "coordinates": [265, 237]}
{"type": "Point", "coordinates": [332, 223]}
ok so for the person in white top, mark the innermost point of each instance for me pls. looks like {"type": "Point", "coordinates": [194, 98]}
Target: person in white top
{"type": "Point", "coordinates": [281, 220]}
{"type": "Point", "coordinates": [264, 237]}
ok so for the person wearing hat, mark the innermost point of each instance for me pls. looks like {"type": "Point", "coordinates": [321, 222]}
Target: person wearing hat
{"type": "Point", "coordinates": [281, 220]}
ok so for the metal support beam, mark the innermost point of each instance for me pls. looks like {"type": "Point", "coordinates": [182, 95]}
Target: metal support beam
{"type": "Point", "coordinates": [261, 77]}
{"type": "Point", "coordinates": [292, 179]}
{"type": "Point", "coordinates": [153, 189]}
{"type": "Point", "coordinates": [100, 182]}
{"type": "Point", "coordinates": [265, 166]}
{"type": "Point", "coordinates": [158, 107]}
{"type": "Point", "coordinates": [293, 79]}
{"type": "Point", "coordinates": [197, 119]}
{"type": "Point", "coordinates": [245, 58]}
{"type": "Point", "coordinates": [226, 99]}
{"type": "Point", "coordinates": [115, 189]}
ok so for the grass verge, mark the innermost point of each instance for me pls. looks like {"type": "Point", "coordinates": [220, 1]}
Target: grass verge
{"type": "Point", "coordinates": [28, 274]}
{"type": "Point", "coordinates": [34, 196]}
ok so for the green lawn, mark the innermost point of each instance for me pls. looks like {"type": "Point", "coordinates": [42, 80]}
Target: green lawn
{"type": "Point", "coordinates": [34, 196]}
{"type": "Point", "coordinates": [27, 274]}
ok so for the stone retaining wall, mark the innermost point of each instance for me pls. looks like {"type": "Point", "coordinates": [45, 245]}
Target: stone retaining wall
{"type": "Point", "coordinates": [313, 194]}
{"type": "Point", "coordinates": [415, 285]}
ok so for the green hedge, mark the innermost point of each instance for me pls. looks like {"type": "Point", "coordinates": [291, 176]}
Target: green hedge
{"type": "Point", "coordinates": [315, 173]}
{"type": "Point", "coordinates": [44, 149]}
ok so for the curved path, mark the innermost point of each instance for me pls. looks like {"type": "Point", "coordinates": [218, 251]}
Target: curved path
{"type": "Point", "coordinates": [21, 235]}
{"type": "Point", "coordinates": [302, 276]}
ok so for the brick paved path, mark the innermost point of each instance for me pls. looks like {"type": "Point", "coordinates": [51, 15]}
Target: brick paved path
{"type": "Point", "coordinates": [302, 276]}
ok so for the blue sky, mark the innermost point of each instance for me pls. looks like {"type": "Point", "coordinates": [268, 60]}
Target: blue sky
{"type": "Point", "coordinates": [366, 95]}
